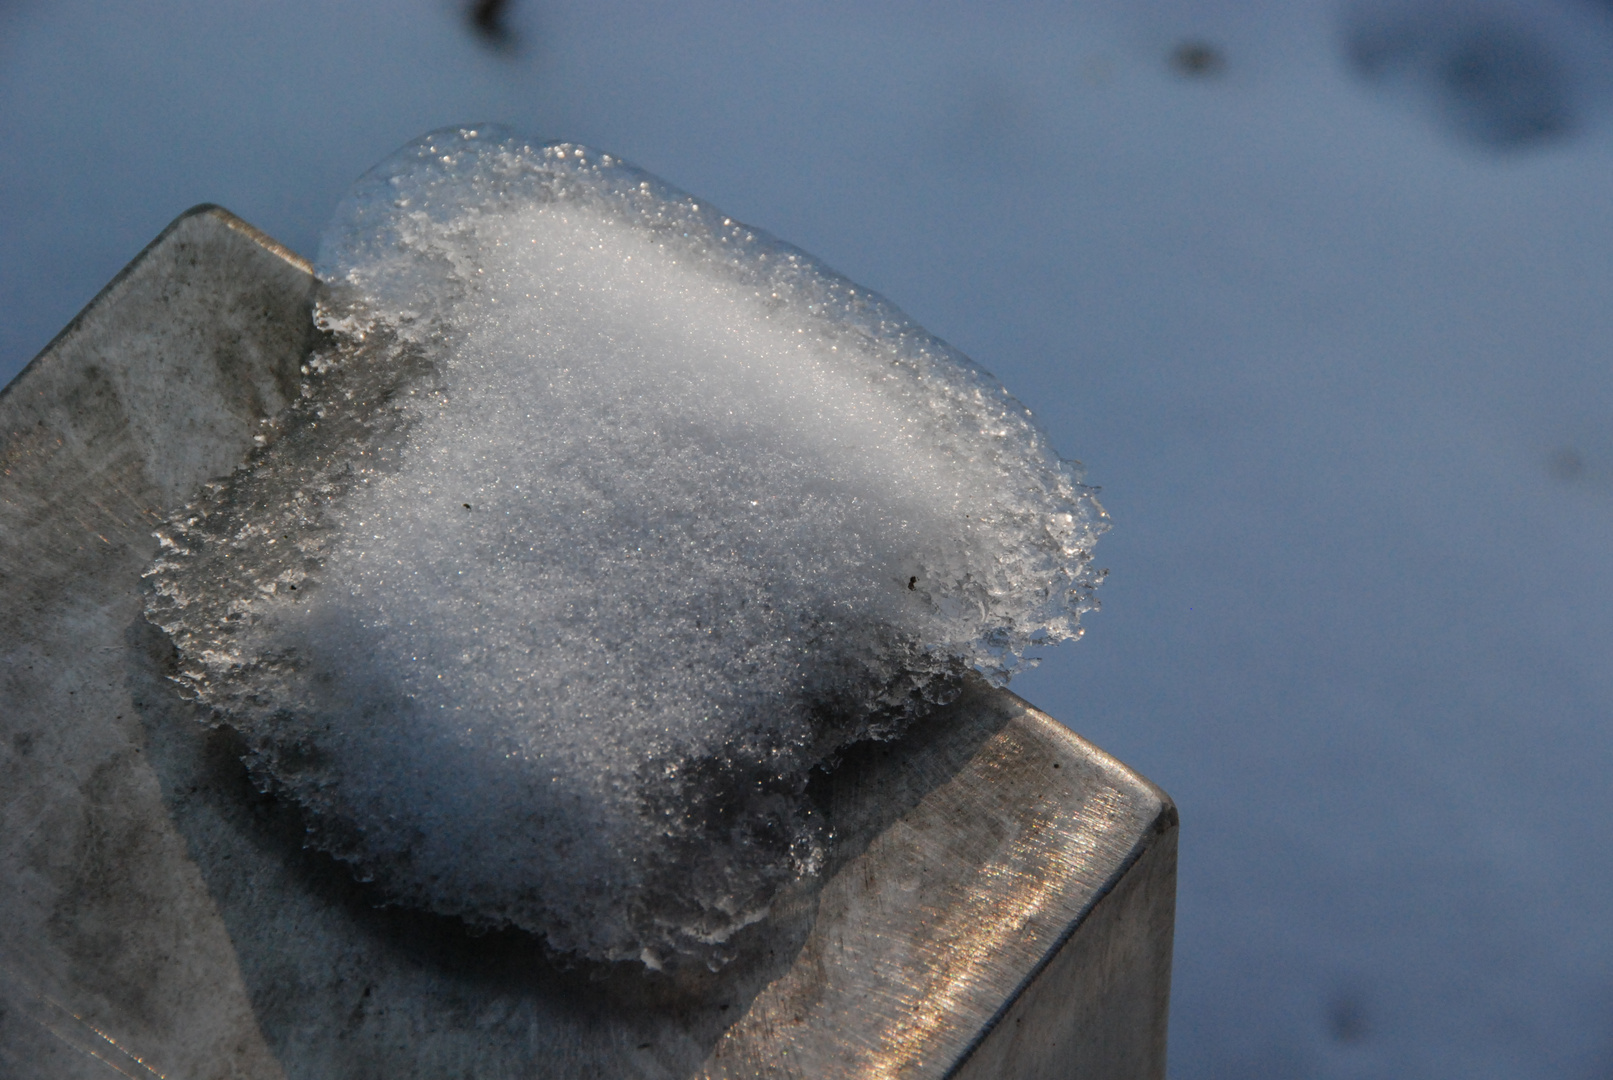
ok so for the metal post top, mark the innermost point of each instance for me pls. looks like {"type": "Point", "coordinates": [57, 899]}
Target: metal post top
{"type": "Point", "coordinates": [999, 900]}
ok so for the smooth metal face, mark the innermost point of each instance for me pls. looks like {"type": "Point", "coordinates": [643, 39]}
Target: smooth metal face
{"type": "Point", "coordinates": [999, 901]}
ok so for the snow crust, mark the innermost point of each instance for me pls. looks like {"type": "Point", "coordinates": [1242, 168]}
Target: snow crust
{"type": "Point", "coordinates": [604, 519]}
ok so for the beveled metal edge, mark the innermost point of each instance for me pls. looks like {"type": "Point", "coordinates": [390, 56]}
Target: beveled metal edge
{"type": "Point", "coordinates": [1166, 818]}
{"type": "Point", "coordinates": [107, 293]}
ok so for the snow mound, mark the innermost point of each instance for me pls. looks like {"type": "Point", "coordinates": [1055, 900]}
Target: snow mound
{"type": "Point", "coordinates": [602, 521]}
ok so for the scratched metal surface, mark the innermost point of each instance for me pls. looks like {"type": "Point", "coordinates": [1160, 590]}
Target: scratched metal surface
{"type": "Point", "coordinates": [158, 917]}
{"type": "Point", "coordinates": [111, 949]}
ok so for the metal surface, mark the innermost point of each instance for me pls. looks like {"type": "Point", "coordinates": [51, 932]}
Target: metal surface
{"type": "Point", "coordinates": [999, 903]}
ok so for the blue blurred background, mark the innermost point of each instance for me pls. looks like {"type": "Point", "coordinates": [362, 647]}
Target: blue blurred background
{"type": "Point", "coordinates": [1321, 293]}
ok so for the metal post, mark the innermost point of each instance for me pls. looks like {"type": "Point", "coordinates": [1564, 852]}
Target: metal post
{"type": "Point", "coordinates": [999, 903]}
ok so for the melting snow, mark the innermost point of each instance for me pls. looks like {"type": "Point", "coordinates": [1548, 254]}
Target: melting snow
{"type": "Point", "coordinates": [603, 520]}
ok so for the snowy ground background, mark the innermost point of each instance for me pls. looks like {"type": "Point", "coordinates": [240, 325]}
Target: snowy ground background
{"type": "Point", "coordinates": [1324, 301]}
